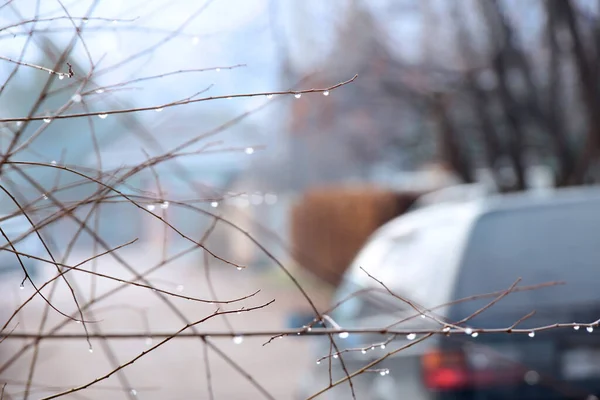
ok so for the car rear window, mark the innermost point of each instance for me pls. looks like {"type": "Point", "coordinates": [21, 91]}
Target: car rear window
{"type": "Point", "coordinates": [559, 242]}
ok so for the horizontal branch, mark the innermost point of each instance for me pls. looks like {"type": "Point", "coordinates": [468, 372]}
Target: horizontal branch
{"type": "Point", "coordinates": [302, 332]}
{"type": "Point", "coordinates": [176, 103]}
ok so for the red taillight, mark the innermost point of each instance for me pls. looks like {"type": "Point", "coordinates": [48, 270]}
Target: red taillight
{"type": "Point", "coordinates": [445, 370]}
{"type": "Point", "coordinates": [451, 370]}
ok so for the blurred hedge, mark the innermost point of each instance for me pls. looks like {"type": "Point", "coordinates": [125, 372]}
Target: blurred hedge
{"type": "Point", "coordinates": [330, 225]}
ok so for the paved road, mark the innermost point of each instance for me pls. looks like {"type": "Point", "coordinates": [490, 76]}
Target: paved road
{"type": "Point", "coordinates": [175, 370]}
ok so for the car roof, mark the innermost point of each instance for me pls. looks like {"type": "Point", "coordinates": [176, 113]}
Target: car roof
{"type": "Point", "coordinates": [469, 211]}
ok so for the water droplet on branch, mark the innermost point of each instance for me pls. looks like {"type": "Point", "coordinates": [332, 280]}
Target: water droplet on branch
{"type": "Point", "coordinates": [298, 95]}
{"type": "Point", "coordinates": [159, 109]}
{"type": "Point", "coordinates": [61, 76]}
{"type": "Point", "coordinates": [148, 341]}
{"type": "Point", "coordinates": [150, 207]}
{"type": "Point", "coordinates": [102, 116]}
{"type": "Point", "coordinates": [164, 205]}
{"type": "Point", "coordinates": [76, 98]}
{"type": "Point", "coordinates": [47, 120]}
{"type": "Point", "coordinates": [411, 336]}
{"type": "Point", "coordinates": [99, 91]}
{"type": "Point", "coordinates": [238, 339]}
{"type": "Point", "coordinates": [326, 93]}
{"type": "Point", "coordinates": [576, 327]}
{"type": "Point", "coordinates": [21, 286]}
{"type": "Point", "coordinates": [531, 334]}
{"type": "Point", "coordinates": [214, 204]}
{"type": "Point", "coordinates": [249, 150]}
{"type": "Point", "coordinates": [344, 335]}
{"type": "Point", "coordinates": [590, 329]}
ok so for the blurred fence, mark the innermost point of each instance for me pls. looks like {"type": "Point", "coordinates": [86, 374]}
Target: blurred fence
{"type": "Point", "coordinates": [330, 225]}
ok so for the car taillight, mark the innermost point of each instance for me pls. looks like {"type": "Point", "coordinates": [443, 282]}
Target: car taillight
{"type": "Point", "coordinates": [445, 370]}
{"type": "Point", "coordinates": [455, 369]}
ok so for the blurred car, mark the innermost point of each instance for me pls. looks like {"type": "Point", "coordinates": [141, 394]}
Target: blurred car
{"type": "Point", "coordinates": [17, 229]}
{"type": "Point", "coordinates": [451, 250]}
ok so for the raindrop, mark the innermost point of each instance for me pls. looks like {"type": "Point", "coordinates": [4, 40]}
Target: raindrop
{"type": "Point", "coordinates": [47, 120]}
{"type": "Point", "coordinates": [164, 205]}
{"type": "Point", "coordinates": [422, 315]}
{"type": "Point", "coordinates": [61, 77]}
{"type": "Point", "coordinates": [99, 91]}
{"type": "Point", "coordinates": [179, 288]}
{"type": "Point", "coordinates": [238, 339]}
{"type": "Point", "coordinates": [44, 196]}
{"type": "Point", "coordinates": [531, 334]}
{"type": "Point", "coordinates": [446, 329]}
{"type": "Point", "coordinates": [21, 286]}
{"type": "Point", "coordinates": [411, 336]}
{"type": "Point", "coordinates": [309, 328]}
{"type": "Point", "coordinates": [474, 334]}
{"type": "Point", "coordinates": [589, 329]}
{"type": "Point", "coordinates": [468, 331]}
{"type": "Point", "coordinates": [195, 40]}
{"type": "Point", "coordinates": [335, 356]}
{"type": "Point", "coordinates": [383, 372]}
{"type": "Point", "coordinates": [298, 95]}
{"type": "Point", "coordinates": [91, 350]}
{"type": "Point", "coordinates": [214, 204]}
{"type": "Point", "coordinates": [576, 327]}
{"type": "Point", "coordinates": [344, 335]}
{"type": "Point", "coordinates": [77, 322]}
{"type": "Point", "coordinates": [19, 123]}
{"type": "Point", "coordinates": [133, 392]}
{"type": "Point", "coordinates": [249, 150]}
{"type": "Point", "coordinates": [102, 116]}
{"type": "Point", "coordinates": [382, 346]}
{"type": "Point", "coordinates": [269, 96]}
{"type": "Point", "coordinates": [148, 341]}
{"type": "Point", "coordinates": [239, 268]}
{"type": "Point", "coordinates": [238, 313]}
{"type": "Point", "coordinates": [363, 351]}
{"type": "Point", "coordinates": [218, 70]}
{"type": "Point", "coordinates": [372, 347]}
{"type": "Point", "coordinates": [229, 98]}
{"type": "Point", "coordinates": [326, 93]}
{"type": "Point", "coordinates": [318, 362]}
{"type": "Point", "coordinates": [53, 162]}
{"type": "Point", "coordinates": [159, 109]}
{"type": "Point", "coordinates": [151, 207]}
{"type": "Point", "coordinates": [76, 98]}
